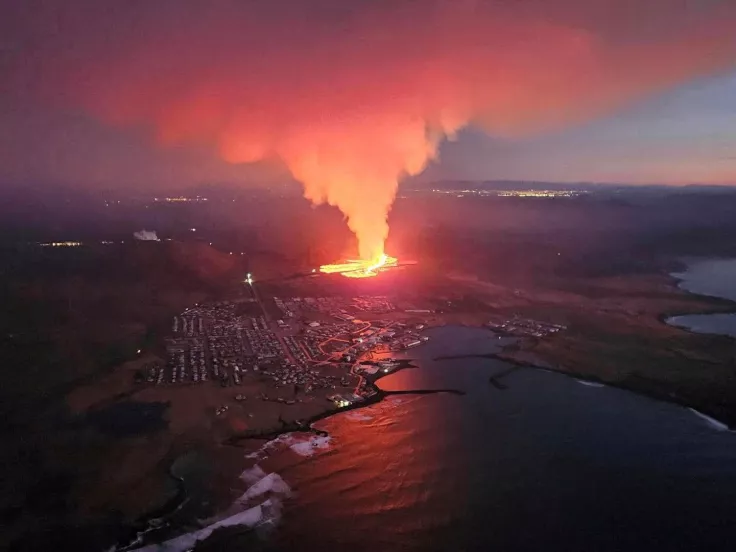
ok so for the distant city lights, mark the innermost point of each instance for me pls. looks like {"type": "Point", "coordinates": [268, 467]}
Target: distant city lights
{"type": "Point", "coordinates": [180, 199]}
{"type": "Point", "coordinates": [512, 193]}
{"type": "Point", "coordinates": [73, 243]}
{"type": "Point", "coordinates": [539, 193]}
{"type": "Point", "coordinates": [61, 244]}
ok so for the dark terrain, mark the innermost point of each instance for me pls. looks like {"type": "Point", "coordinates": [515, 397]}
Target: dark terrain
{"type": "Point", "coordinates": [71, 315]}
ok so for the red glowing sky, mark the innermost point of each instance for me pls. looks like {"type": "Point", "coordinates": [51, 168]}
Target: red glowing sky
{"type": "Point", "coordinates": [339, 88]}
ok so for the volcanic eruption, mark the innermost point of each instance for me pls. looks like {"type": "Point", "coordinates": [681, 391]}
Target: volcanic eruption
{"type": "Point", "coordinates": [353, 96]}
{"type": "Point", "coordinates": [360, 268]}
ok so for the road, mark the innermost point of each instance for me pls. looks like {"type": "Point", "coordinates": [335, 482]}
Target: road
{"type": "Point", "coordinates": [271, 324]}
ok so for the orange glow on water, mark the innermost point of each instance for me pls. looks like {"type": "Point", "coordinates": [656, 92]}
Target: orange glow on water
{"type": "Point", "coordinates": [360, 268]}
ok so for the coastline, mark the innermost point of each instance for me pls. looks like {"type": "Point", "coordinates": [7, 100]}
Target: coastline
{"type": "Point", "coordinates": [518, 356]}
{"type": "Point", "coordinates": [218, 433]}
{"type": "Point", "coordinates": [646, 388]}
{"type": "Point", "coordinates": [729, 304]}
{"type": "Point", "coordinates": [305, 426]}
{"type": "Point", "coordinates": [726, 417]}
{"type": "Point", "coordinates": [380, 395]}
{"type": "Point", "coordinates": [156, 518]}
{"type": "Point", "coordinates": [676, 281]}
{"type": "Point", "coordinates": [598, 381]}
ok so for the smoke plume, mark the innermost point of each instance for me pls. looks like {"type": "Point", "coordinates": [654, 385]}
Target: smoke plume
{"type": "Point", "coordinates": [146, 235]}
{"type": "Point", "coordinates": [354, 95]}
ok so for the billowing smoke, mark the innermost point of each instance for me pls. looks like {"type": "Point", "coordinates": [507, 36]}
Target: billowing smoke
{"type": "Point", "coordinates": [354, 95]}
{"type": "Point", "coordinates": [146, 235]}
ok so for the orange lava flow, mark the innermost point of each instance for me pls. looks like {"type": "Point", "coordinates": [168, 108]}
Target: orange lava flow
{"type": "Point", "coordinates": [359, 268]}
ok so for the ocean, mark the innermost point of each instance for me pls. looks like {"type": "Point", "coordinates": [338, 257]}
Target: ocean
{"type": "Point", "coordinates": [544, 462]}
{"type": "Point", "coordinates": [714, 277]}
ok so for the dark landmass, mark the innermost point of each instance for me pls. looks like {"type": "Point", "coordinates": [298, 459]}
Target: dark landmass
{"type": "Point", "coordinates": [74, 319]}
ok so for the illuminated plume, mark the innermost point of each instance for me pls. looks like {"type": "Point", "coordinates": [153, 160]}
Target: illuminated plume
{"type": "Point", "coordinates": [354, 165]}
{"type": "Point", "coordinates": [353, 99]}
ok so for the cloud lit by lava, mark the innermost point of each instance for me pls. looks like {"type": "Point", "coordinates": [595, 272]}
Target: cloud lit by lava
{"type": "Point", "coordinates": [353, 95]}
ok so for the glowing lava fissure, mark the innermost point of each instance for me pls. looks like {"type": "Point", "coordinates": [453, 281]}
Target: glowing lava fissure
{"type": "Point", "coordinates": [360, 268]}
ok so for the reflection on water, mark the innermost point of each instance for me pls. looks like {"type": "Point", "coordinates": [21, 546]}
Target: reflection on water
{"type": "Point", "coordinates": [545, 463]}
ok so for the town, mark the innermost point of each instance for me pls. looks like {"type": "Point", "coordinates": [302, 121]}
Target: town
{"type": "Point", "coordinates": [525, 327]}
{"type": "Point", "coordinates": [316, 346]}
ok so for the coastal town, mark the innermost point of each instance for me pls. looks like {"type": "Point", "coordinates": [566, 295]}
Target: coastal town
{"type": "Point", "coordinates": [266, 359]}
{"type": "Point", "coordinates": [292, 350]}
{"type": "Point", "coordinates": [286, 350]}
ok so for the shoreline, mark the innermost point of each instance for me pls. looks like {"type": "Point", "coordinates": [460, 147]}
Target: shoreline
{"type": "Point", "coordinates": [305, 426]}
{"type": "Point", "coordinates": [156, 518]}
{"type": "Point", "coordinates": [721, 305]}
{"type": "Point", "coordinates": [690, 329]}
{"type": "Point", "coordinates": [370, 381]}
{"type": "Point", "coordinates": [591, 378]}
{"type": "Point", "coordinates": [643, 386]}
{"type": "Point", "coordinates": [676, 281]}
{"type": "Point", "coordinates": [665, 318]}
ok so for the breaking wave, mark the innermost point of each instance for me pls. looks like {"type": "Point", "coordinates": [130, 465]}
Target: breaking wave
{"type": "Point", "coordinates": [260, 505]}
{"type": "Point", "coordinates": [590, 383]}
{"type": "Point", "coordinates": [720, 426]}
{"type": "Point", "coordinates": [271, 483]}
{"type": "Point", "coordinates": [268, 488]}
{"type": "Point", "coordinates": [310, 446]}
{"type": "Point", "coordinates": [251, 475]}
{"type": "Point", "coordinates": [251, 517]}
{"type": "Point", "coordinates": [269, 447]}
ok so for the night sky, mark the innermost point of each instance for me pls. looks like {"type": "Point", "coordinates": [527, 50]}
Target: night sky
{"type": "Point", "coordinates": [171, 93]}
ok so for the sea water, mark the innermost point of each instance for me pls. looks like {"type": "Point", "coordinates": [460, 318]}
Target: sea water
{"type": "Point", "coordinates": [544, 464]}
